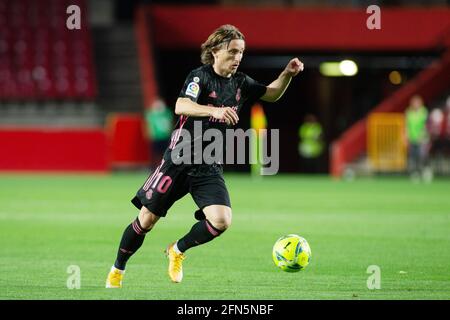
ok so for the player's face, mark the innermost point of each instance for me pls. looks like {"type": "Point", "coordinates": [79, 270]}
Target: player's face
{"type": "Point", "coordinates": [228, 58]}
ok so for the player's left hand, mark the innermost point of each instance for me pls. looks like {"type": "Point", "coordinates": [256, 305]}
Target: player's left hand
{"type": "Point", "coordinates": [294, 67]}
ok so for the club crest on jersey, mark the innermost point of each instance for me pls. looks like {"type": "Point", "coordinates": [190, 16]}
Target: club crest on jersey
{"type": "Point", "coordinates": [238, 95]}
{"type": "Point", "coordinates": [196, 79]}
{"type": "Point", "coordinates": [192, 89]}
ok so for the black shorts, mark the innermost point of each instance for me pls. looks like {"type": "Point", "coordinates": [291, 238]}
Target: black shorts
{"type": "Point", "coordinates": [170, 182]}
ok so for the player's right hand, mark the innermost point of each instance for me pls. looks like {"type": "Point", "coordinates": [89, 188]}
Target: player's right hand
{"type": "Point", "coordinates": [228, 114]}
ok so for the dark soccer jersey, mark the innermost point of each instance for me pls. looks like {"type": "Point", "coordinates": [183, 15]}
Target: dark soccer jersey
{"type": "Point", "coordinates": [206, 87]}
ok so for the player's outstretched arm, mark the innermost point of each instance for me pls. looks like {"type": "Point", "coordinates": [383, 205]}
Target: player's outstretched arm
{"type": "Point", "coordinates": [187, 107]}
{"type": "Point", "coordinates": [277, 88]}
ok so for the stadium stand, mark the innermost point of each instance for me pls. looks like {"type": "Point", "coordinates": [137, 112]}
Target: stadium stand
{"type": "Point", "coordinates": [103, 75]}
{"type": "Point", "coordinates": [40, 58]}
{"type": "Point", "coordinates": [49, 116]}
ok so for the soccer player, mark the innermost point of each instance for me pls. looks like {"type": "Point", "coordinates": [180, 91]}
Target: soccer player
{"type": "Point", "coordinates": [213, 95]}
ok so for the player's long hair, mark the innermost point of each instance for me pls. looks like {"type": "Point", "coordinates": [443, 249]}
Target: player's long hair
{"type": "Point", "coordinates": [223, 34]}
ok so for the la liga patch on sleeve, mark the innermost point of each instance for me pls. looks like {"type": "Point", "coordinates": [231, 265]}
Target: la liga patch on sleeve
{"type": "Point", "coordinates": [193, 89]}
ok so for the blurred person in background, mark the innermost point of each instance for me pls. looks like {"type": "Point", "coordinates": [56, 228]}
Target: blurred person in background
{"type": "Point", "coordinates": [446, 127]}
{"type": "Point", "coordinates": [436, 125]}
{"type": "Point", "coordinates": [417, 139]}
{"type": "Point", "coordinates": [311, 144]}
{"type": "Point", "coordinates": [441, 148]}
{"type": "Point", "coordinates": [159, 121]}
{"type": "Point", "coordinates": [437, 136]}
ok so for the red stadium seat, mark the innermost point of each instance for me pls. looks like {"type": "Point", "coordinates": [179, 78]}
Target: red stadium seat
{"type": "Point", "coordinates": [39, 57]}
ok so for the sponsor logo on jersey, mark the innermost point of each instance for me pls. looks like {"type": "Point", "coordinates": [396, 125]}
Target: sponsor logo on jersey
{"type": "Point", "coordinates": [213, 95]}
{"type": "Point", "coordinates": [193, 89]}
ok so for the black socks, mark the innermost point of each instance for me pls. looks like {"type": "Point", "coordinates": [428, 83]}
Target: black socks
{"type": "Point", "coordinates": [132, 239]}
{"type": "Point", "coordinates": [200, 233]}
{"type": "Point", "coordinates": [134, 235]}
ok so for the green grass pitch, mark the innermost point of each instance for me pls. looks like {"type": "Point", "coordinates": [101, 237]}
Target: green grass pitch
{"type": "Point", "coordinates": [50, 222]}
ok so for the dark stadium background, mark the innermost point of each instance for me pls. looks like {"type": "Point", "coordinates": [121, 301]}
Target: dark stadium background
{"type": "Point", "coordinates": [117, 88]}
{"type": "Point", "coordinates": [352, 98]}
